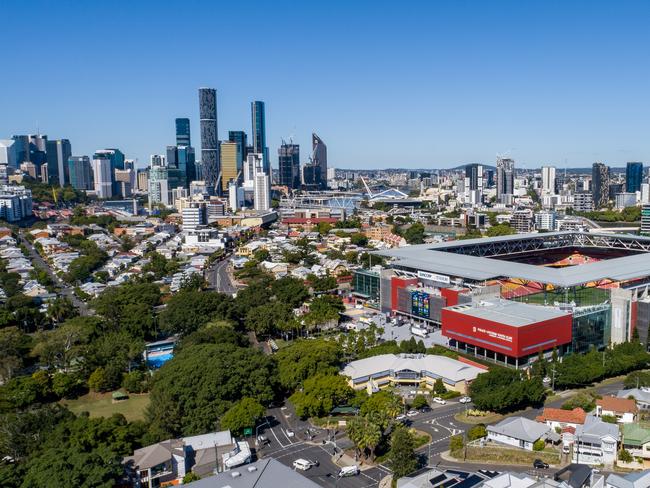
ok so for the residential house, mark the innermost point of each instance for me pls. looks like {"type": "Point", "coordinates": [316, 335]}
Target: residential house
{"type": "Point", "coordinates": [641, 395]}
{"type": "Point", "coordinates": [559, 418]}
{"type": "Point", "coordinates": [632, 480]}
{"type": "Point", "coordinates": [277, 269]}
{"type": "Point", "coordinates": [167, 462]}
{"type": "Point", "coordinates": [624, 409]}
{"type": "Point", "coordinates": [596, 442]}
{"type": "Point", "coordinates": [520, 432]}
{"type": "Point", "coordinates": [636, 440]}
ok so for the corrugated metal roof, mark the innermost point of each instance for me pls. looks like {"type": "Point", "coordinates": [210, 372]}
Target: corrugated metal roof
{"type": "Point", "coordinates": [435, 259]}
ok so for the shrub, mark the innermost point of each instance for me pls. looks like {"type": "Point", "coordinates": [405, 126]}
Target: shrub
{"type": "Point", "coordinates": [456, 443]}
{"type": "Point", "coordinates": [419, 402]}
{"type": "Point", "coordinates": [477, 432]}
{"type": "Point", "coordinates": [135, 382]}
{"type": "Point", "coordinates": [539, 445]}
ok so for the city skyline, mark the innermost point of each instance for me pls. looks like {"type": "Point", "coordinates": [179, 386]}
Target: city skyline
{"type": "Point", "coordinates": [462, 90]}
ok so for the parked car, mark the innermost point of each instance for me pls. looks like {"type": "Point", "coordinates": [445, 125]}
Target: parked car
{"type": "Point", "coordinates": [262, 440]}
{"type": "Point", "coordinates": [349, 471]}
{"type": "Point", "coordinates": [290, 433]}
{"type": "Point", "coordinates": [301, 464]}
{"type": "Point", "coordinates": [411, 413]}
{"type": "Point", "coordinates": [401, 417]}
{"type": "Point", "coordinates": [465, 399]}
{"type": "Point", "coordinates": [440, 401]}
{"type": "Point", "coordinates": [566, 449]}
{"type": "Point", "coordinates": [539, 464]}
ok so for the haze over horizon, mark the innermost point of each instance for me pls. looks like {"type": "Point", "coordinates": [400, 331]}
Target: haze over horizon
{"type": "Point", "coordinates": [417, 85]}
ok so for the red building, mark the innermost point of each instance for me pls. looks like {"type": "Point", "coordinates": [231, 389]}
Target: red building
{"type": "Point", "coordinates": [506, 331]}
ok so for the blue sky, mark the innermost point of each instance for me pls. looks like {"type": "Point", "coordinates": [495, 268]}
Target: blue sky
{"type": "Point", "coordinates": [385, 84]}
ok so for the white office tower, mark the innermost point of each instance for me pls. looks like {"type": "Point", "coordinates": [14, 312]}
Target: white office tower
{"type": "Point", "coordinates": [102, 174]}
{"type": "Point", "coordinates": [8, 158]}
{"type": "Point", "coordinates": [235, 196]}
{"type": "Point", "coordinates": [253, 161]}
{"type": "Point", "coordinates": [331, 174]}
{"type": "Point", "coordinates": [548, 180]}
{"type": "Point", "coordinates": [158, 182]}
{"type": "Point", "coordinates": [262, 191]}
{"type": "Point", "coordinates": [195, 215]}
{"type": "Point", "coordinates": [645, 192]}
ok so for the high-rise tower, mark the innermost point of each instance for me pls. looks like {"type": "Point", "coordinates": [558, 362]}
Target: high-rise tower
{"type": "Point", "coordinates": [633, 177]}
{"type": "Point", "coordinates": [505, 179]}
{"type": "Point", "coordinates": [319, 157]}
{"type": "Point", "coordinates": [259, 133]}
{"type": "Point", "coordinates": [209, 138]}
{"type": "Point", "coordinates": [600, 185]}
{"type": "Point", "coordinates": [289, 165]}
{"type": "Point", "coordinates": [183, 132]}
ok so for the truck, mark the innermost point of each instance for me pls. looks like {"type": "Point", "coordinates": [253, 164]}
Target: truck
{"type": "Point", "coordinates": [417, 331]}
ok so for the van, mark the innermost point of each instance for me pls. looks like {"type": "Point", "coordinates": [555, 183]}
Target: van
{"type": "Point", "coordinates": [419, 332]}
{"type": "Point", "coordinates": [349, 471]}
{"type": "Point", "coordinates": [301, 464]}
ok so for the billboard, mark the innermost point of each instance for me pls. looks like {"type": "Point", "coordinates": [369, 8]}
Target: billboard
{"type": "Point", "coordinates": [420, 305]}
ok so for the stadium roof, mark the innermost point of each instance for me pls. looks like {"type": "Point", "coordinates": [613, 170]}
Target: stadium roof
{"type": "Point", "coordinates": [510, 313]}
{"type": "Point", "coordinates": [468, 259]}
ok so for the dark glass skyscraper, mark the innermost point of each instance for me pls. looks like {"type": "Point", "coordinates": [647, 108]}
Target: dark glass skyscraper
{"type": "Point", "coordinates": [183, 132]}
{"type": "Point", "coordinates": [209, 140]}
{"type": "Point", "coordinates": [289, 165]}
{"type": "Point", "coordinates": [259, 133]}
{"type": "Point", "coordinates": [319, 157]}
{"type": "Point", "coordinates": [58, 153]}
{"type": "Point", "coordinates": [81, 175]}
{"type": "Point", "coordinates": [633, 177]}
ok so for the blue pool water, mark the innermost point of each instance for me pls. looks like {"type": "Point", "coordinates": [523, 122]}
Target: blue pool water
{"type": "Point", "coordinates": [158, 360]}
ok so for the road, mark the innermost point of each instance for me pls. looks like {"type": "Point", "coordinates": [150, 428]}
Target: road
{"type": "Point", "coordinates": [63, 288]}
{"type": "Point", "coordinates": [439, 423]}
{"type": "Point", "coordinates": [219, 278]}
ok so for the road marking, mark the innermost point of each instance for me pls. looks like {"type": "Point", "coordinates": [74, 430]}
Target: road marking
{"type": "Point", "coordinates": [276, 437]}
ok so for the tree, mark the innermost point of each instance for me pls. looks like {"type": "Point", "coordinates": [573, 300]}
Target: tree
{"type": "Point", "coordinates": [324, 308]}
{"type": "Point", "coordinates": [129, 308]}
{"type": "Point", "coordinates": [365, 434]}
{"type": "Point", "coordinates": [189, 310]}
{"type": "Point", "coordinates": [415, 234]}
{"type": "Point", "coordinates": [265, 318]}
{"type": "Point", "coordinates": [14, 347]}
{"type": "Point", "coordinates": [242, 415]}
{"type": "Point", "coordinates": [476, 432]}
{"type": "Point", "coordinates": [402, 456]}
{"type": "Point", "coordinates": [625, 456]}
{"type": "Point", "coordinates": [439, 387]}
{"type": "Point", "coordinates": [503, 390]}
{"type": "Point", "coordinates": [304, 358]}
{"type": "Point", "coordinates": [320, 394]}
{"type": "Point", "coordinates": [419, 402]}
{"type": "Point", "coordinates": [500, 230]}
{"type": "Point", "coordinates": [60, 309]}
{"type": "Point", "coordinates": [193, 390]}
{"type": "Point", "coordinates": [290, 290]}
{"type": "Point", "coordinates": [98, 381]}
{"type": "Point", "coordinates": [456, 443]}
{"type": "Point", "coordinates": [382, 407]}
{"type": "Point", "coordinates": [323, 283]}
{"type": "Point", "coordinates": [358, 239]}
{"type": "Point", "coordinates": [539, 445]}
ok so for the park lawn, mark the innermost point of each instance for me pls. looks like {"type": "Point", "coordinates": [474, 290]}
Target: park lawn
{"type": "Point", "coordinates": [101, 405]}
{"type": "Point", "coordinates": [502, 455]}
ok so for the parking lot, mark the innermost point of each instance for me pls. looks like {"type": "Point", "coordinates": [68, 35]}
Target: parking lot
{"type": "Point", "coordinates": [400, 331]}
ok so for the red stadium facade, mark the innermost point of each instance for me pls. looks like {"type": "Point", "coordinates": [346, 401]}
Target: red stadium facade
{"type": "Point", "coordinates": [494, 337]}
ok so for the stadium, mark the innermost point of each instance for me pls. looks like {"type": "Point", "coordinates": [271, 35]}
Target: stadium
{"type": "Point", "coordinates": [508, 298]}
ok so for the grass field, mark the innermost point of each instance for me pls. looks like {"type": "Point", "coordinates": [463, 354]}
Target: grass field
{"type": "Point", "coordinates": [101, 405]}
{"type": "Point", "coordinates": [502, 455]}
{"type": "Point", "coordinates": [490, 418]}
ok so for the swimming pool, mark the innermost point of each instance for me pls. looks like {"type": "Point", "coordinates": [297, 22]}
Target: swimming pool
{"type": "Point", "coordinates": [157, 360]}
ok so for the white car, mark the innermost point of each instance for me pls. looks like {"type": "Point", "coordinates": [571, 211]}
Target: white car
{"type": "Point", "coordinates": [302, 464]}
{"type": "Point", "coordinates": [439, 401]}
{"type": "Point", "coordinates": [465, 399]}
{"type": "Point", "coordinates": [411, 413]}
{"type": "Point", "coordinates": [349, 471]}
{"type": "Point", "coordinates": [400, 417]}
{"type": "Point", "coordinates": [290, 433]}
